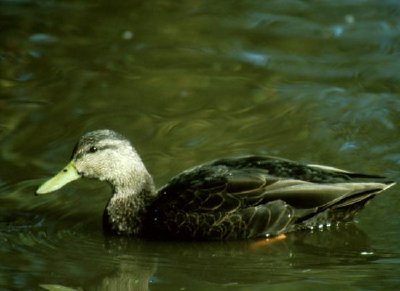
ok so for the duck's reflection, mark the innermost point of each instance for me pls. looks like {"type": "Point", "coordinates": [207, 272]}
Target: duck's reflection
{"type": "Point", "coordinates": [239, 262]}
{"type": "Point", "coordinates": [133, 264]}
{"type": "Point", "coordinates": [130, 275]}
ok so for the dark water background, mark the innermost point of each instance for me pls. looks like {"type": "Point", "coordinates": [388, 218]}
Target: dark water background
{"type": "Point", "coordinates": [189, 81]}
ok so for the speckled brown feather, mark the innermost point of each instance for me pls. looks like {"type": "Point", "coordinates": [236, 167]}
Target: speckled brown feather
{"type": "Point", "coordinates": [235, 199]}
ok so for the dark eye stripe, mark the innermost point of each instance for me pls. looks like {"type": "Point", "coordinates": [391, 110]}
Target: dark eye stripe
{"type": "Point", "coordinates": [93, 149]}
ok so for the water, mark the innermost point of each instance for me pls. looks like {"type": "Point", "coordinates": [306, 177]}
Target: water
{"type": "Point", "coordinates": [190, 81]}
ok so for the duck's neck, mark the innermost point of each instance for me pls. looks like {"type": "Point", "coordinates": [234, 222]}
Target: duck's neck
{"type": "Point", "coordinates": [126, 209]}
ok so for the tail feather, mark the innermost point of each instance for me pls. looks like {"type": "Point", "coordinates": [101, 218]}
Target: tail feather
{"type": "Point", "coordinates": [340, 210]}
{"type": "Point", "coordinates": [353, 175]}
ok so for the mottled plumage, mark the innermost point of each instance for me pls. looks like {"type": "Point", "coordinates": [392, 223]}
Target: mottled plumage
{"type": "Point", "coordinates": [233, 198]}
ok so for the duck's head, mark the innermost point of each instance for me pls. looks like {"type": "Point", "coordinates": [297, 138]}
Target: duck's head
{"type": "Point", "coordinates": [104, 155]}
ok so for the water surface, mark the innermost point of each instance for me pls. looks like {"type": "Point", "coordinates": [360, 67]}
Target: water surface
{"type": "Point", "coordinates": [190, 81]}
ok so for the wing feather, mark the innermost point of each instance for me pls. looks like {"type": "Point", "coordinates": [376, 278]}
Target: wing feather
{"type": "Point", "coordinates": [255, 196]}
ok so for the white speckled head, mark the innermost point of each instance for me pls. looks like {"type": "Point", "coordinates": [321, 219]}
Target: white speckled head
{"type": "Point", "coordinates": [108, 156]}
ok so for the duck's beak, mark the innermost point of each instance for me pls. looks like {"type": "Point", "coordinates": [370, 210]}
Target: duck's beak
{"type": "Point", "coordinates": [66, 175]}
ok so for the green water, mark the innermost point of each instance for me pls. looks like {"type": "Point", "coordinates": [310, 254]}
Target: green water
{"type": "Point", "coordinates": [187, 82]}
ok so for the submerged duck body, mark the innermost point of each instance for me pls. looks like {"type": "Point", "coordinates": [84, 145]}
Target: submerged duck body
{"type": "Point", "coordinates": [232, 198]}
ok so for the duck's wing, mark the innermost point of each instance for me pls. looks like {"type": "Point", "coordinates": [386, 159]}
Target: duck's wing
{"type": "Point", "coordinates": [254, 196]}
{"type": "Point", "coordinates": [229, 184]}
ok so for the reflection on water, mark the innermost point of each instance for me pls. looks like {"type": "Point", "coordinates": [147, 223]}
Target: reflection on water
{"type": "Point", "coordinates": [133, 264]}
{"type": "Point", "coordinates": [191, 81]}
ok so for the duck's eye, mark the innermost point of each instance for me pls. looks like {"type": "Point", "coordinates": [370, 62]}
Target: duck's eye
{"type": "Point", "coordinates": [92, 149]}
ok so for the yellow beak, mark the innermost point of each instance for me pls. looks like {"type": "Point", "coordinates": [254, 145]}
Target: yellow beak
{"type": "Point", "coordinates": [66, 175]}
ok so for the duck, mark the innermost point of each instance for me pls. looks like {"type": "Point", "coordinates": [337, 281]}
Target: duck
{"type": "Point", "coordinates": [232, 198]}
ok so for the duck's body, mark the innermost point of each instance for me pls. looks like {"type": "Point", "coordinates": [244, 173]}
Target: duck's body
{"type": "Point", "coordinates": [237, 198]}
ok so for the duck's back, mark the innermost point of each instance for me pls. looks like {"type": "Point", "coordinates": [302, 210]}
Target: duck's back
{"type": "Point", "coordinates": [255, 196]}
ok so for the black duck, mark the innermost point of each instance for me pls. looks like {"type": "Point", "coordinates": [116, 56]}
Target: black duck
{"type": "Point", "coordinates": [232, 198]}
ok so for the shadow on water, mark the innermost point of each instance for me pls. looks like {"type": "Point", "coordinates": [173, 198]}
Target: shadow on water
{"type": "Point", "coordinates": [81, 259]}
{"type": "Point", "coordinates": [229, 263]}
